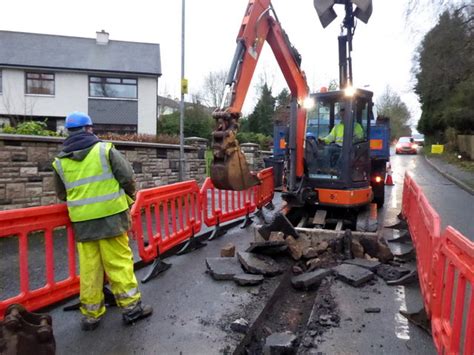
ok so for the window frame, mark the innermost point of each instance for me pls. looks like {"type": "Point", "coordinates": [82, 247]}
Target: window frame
{"type": "Point", "coordinates": [112, 80]}
{"type": "Point", "coordinates": [40, 79]}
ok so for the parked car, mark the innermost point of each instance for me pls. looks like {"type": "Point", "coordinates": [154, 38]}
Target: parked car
{"type": "Point", "coordinates": [406, 145]}
{"type": "Point", "coordinates": [419, 139]}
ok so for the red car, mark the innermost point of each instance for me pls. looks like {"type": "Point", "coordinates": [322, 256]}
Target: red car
{"type": "Point", "coordinates": [406, 145]}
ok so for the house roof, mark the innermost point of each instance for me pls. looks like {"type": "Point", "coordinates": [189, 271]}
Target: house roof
{"type": "Point", "coordinates": [32, 50]}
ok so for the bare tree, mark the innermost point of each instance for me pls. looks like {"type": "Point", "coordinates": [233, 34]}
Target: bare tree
{"type": "Point", "coordinates": [213, 90]}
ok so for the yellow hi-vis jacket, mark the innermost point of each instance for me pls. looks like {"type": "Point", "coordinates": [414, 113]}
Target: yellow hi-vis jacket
{"type": "Point", "coordinates": [91, 188]}
{"type": "Point", "coordinates": [337, 133]}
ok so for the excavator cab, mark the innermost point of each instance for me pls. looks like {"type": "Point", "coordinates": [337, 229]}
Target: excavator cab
{"type": "Point", "coordinates": [337, 147]}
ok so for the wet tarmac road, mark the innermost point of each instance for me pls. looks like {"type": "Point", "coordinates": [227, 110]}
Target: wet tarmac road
{"type": "Point", "coordinates": [454, 205]}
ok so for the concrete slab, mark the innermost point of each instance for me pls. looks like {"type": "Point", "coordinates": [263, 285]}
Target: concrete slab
{"type": "Point", "coordinates": [310, 280]}
{"type": "Point", "coordinates": [366, 264]}
{"type": "Point", "coordinates": [259, 264]}
{"type": "Point", "coordinates": [223, 268]}
{"type": "Point", "coordinates": [353, 275]}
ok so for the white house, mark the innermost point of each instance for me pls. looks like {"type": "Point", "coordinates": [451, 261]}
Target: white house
{"type": "Point", "coordinates": [48, 76]}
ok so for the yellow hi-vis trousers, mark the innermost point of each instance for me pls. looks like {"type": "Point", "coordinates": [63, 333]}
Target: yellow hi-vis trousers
{"type": "Point", "coordinates": [114, 256]}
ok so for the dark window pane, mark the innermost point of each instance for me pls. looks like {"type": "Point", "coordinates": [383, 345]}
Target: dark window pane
{"type": "Point", "coordinates": [40, 83]}
{"type": "Point", "coordinates": [112, 87]}
{"type": "Point", "coordinates": [40, 87]}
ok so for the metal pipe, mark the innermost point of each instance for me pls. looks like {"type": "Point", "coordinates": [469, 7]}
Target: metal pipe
{"type": "Point", "coordinates": [292, 142]}
{"type": "Point", "coordinates": [181, 106]}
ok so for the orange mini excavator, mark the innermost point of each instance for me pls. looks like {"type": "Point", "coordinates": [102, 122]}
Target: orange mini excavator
{"type": "Point", "coordinates": [334, 173]}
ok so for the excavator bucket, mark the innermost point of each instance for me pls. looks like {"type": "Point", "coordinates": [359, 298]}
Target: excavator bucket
{"type": "Point", "coordinates": [229, 169]}
{"type": "Point", "coordinates": [232, 173]}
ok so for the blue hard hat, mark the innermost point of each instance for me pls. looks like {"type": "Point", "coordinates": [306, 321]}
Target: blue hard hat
{"type": "Point", "coordinates": [310, 135]}
{"type": "Point", "coordinates": [77, 119]}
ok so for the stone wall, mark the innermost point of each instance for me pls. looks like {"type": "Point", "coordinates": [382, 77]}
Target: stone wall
{"type": "Point", "coordinates": [26, 174]}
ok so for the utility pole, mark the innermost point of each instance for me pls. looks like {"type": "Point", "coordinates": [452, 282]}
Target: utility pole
{"type": "Point", "coordinates": [184, 90]}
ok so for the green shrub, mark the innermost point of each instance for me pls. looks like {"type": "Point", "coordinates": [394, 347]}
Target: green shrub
{"type": "Point", "coordinates": [146, 138]}
{"type": "Point", "coordinates": [32, 128]}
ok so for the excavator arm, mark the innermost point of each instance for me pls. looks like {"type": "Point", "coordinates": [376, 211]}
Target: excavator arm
{"type": "Point", "coordinates": [229, 169]}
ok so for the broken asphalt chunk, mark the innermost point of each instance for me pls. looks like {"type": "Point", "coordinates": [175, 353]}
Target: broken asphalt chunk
{"type": "Point", "coordinates": [353, 275]}
{"type": "Point", "coordinates": [390, 273]}
{"type": "Point", "coordinates": [280, 343]}
{"type": "Point", "coordinates": [366, 264]}
{"type": "Point", "coordinates": [267, 247]}
{"type": "Point", "coordinates": [248, 279]}
{"type": "Point", "coordinates": [259, 264]}
{"type": "Point", "coordinates": [279, 224]}
{"type": "Point", "coordinates": [310, 280]}
{"type": "Point", "coordinates": [223, 268]}
{"type": "Point", "coordinates": [240, 325]}
{"type": "Point", "coordinates": [405, 280]}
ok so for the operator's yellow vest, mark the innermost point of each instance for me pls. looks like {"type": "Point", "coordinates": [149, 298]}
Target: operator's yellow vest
{"type": "Point", "coordinates": [91, 188]}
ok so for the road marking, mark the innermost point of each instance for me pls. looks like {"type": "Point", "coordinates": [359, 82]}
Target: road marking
{"type": "Point", "coordinates": [402, 331]}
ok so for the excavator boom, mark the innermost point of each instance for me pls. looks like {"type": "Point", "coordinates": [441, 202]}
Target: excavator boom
{"type": "Point", "coordinates": [229, 169]}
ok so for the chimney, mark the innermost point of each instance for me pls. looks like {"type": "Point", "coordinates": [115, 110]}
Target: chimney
{"type": "Point", "coordinates": [102, 38]}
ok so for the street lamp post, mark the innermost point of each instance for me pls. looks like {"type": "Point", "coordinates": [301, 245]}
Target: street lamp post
{"type": "Point", "coordinates": [181, 106]}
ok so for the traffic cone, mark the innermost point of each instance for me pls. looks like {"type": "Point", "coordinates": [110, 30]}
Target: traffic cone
{"type": "Point", "coordinates": [388, 178]}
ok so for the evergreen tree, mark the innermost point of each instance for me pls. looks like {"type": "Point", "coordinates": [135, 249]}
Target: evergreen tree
{"type": "Point", "coordinates": [261, 119]}
{"type": "Point", "coordinates": [445, 77]}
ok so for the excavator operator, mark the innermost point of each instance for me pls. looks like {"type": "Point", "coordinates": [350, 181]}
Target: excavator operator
{"type": "Point", "coordinates": [337, 132]}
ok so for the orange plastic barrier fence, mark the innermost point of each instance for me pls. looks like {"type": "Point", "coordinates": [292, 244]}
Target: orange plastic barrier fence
{"type": "Point", "coordinates": [28, 225]}
{"type": "Point", "coordinates": [165, 216]}
{"type": "Point", "coordinates": [265, 190]}
{"type": "Point", "coordinates": [220, 206]}
{"type": "Point", "coordinates": [452, 320]}
{"type": "Point", "coordinates": [424, 225]}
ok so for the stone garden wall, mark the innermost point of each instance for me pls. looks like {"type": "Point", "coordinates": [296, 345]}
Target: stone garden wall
{"type": "Point", "coordinates": [26, 174]}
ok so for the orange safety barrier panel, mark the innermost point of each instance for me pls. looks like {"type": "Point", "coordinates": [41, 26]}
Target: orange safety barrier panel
{"type": "Point", "coordinates": [165, 216]}
{"type": "Point", "coordinates": [28, 225]}
{"type": "Point", "coordinates": [220, 206]}
{"type": "Point", "coordinates": [265, 190]}
{"type": "Point", "coordinates": [424, 225]}
{"type": "Point", "coordinates": [452, 320]}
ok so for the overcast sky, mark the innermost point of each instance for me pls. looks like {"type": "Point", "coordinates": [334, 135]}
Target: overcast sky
{"type": "Point", "coordinates": [383, 48]}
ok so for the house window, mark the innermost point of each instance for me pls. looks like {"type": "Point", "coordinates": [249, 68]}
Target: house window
{"type": "Point", "coordinates": [122, 88]}
{"type": "Point", "coordinates": [40, 83]}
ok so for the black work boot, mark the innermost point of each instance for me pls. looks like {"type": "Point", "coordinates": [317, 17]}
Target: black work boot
{"type": "Point", "coordinates": [89, 323]}
{"type": "Point", "coordinates": [136, 312]}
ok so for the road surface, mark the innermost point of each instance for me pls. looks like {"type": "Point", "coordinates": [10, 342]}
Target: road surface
{"type": "Point", "coordinates": [453, 204]}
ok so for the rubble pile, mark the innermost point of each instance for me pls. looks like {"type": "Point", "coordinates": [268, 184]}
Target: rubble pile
{"type": "Point", "coordinates": [310, 259]}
